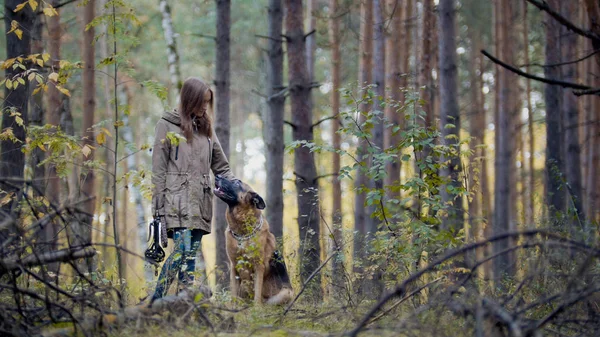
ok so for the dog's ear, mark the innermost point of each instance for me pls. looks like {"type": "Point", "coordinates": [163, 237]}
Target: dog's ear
{"type": "Point", "coordinates": [257, 200]}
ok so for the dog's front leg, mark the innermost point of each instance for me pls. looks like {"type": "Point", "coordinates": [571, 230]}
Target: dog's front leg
{"type": "Point", "coordinates": [258, 283]}
{"type": "Point", "coordinates": [234, 282]}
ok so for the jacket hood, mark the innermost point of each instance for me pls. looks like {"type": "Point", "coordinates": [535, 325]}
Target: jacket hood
{"type": "Point", "coordinates": [172, 117]}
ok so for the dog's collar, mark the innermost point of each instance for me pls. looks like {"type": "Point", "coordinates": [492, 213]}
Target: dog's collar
{"type": "Point", "coordinates": [242, 238]}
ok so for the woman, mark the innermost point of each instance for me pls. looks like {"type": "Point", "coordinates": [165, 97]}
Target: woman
{"type": "Point", "coordinates": [181, 176]}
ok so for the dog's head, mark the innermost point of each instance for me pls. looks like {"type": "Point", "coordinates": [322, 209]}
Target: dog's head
{"type": "Point", "coordinates": [237, 193]}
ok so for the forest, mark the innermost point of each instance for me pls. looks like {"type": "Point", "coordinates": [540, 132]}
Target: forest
{"type": "Point", "coordinates": [429, 167]}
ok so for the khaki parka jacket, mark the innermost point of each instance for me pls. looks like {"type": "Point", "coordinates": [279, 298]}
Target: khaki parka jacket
{"type": "Point", "coordinates": [182, 192]}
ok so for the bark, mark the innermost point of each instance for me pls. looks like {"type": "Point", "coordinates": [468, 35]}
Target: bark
{"type": "Point", "coordinates": [502, 188]}
{"type": "Point", "coordinates": [407, 37]}
{"type": "Point", "coordinates": [304, 163]}
{"type": "Point", "coordinates": [311, 44]}
{"type": "Point", "coordinates": [36, 107]}
{"type": "Point", "coordinates": [392, 114]}
{"type": "Point", "coordinates": [379, 99]}
{"type": "Point", "coordinates": [274, 121]}
{"type": "Point", "coordinates": [449, 113]}
{"type": "Point", "coordinates": [89, 107]}
{"type": "Point", "coordinates": [593, 10]}
{"type": "Point", "coordinates": [475, 216]}
{"type": "Point", "coordinates": [12, 162]}
{"type": "Point", "coordinates": [222, 125]}
{"type": "Point", "coordinates": [336, 66]}
{"type": "Point", "coordinates": [570, 112]}
{"type": "Point", "coordinates": [364, 78]}
{"type": "Point", "coordinates": [172, 54]}
{"type": "Point", "coordinates": [530, 207]}
{"type": "Point", "coordinates": [108, 157]}
{"type": "Point", "coordinates": [425, 78]}
{"type": "Point", "coordinates": [593, 150]}
{"type": "Point", "coordinates": [555, 191]}
{"type": "Point", "coordinates": [123, 221]}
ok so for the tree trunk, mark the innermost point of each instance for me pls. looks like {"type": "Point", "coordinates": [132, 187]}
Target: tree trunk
{"type": "Point", "coordinates": [477, 132]}
{"type": "Point", "coordinates": [108, 157]}
{"type": "Point", "coordinates": [379, 99]}
{"type": "Point", "coordinates": [222, 79]}
{"type": "Point", "coordinates": [336, 66]}
{"type": "Point", "coordinates": [304, 163]}
{"type": "Point", "coordinates": [570, 112]}
{"type": "Point", "coordinates": [89, 106]}
{"type": "Point", "coordinates": [36, 108]}
{"type": "Point", "coordinates": [425, 78]}
{"type": "Point", "coordinates": [503, 160]}
{"type": "Point", "coordinates": [449, 113]}
{"type": "Point", "coordinates": [555, 191]}
{"type": "Point", "coordinates": [172, 55]}
{"type": "Point", "coordinates": [364, 78]}
{"type": "Point", "coordinates": [13, 160]}
{"type": "Point", "coordinates": [274, 121]}
{"type": "Point", "coordinates": [393, 115]}
{"type": "Point", "coordinates": [407, 38]}
{"type": "Point", "coordinates": [530, 207]}
{"type": "Point", "coordinates": [54, 105]}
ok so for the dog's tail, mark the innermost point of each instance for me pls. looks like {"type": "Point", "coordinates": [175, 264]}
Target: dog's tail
{"type": "Point", "coordinates": [285, 295]}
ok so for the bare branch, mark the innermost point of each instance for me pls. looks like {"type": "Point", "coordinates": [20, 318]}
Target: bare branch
{"type": "Point", "coordinates": [537, 78]}
{"type": "Point", "coordinates": [564, 21]}
{"type": "Point", "coordinates": [323, 120]}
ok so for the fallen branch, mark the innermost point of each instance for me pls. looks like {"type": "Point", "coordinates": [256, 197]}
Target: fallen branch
{"type": "Point", "coordinates": [62, 255]}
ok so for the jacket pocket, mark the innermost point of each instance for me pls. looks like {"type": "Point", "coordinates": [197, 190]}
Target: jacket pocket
{"type": "Point", "coordinates": [176, 194]}
{"type": "Point", "coordinates": [206, 206]}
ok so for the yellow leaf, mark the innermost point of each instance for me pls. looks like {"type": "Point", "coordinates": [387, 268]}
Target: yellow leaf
{"type": "Point", "coordinates": [21, 80]}
{"type": "Point", "coordinates": [50, 11]}
{"type": "Point", "coordinates": [19, 121]}
{"type": "Point", "coordinates": [107, 200]}
{"type": "Point", "coordinates": [36, 90]}
{"type": "Point", "coordinates": [101, 138]}
{"type": "Point", "coordinates": [19, 33]}
{"type": "Point", "coordinates": [63, 63]}
{"type": "Point", "coordinates": [42, 147]}
{"type": "Point", "coordinates": [31, 77]}
{"type": "Point", "coordinates": [39, 62]}
{"type": "Point", "coordinates": [107, 132]}
{"type": "Point", "coordinates": [53, 76]}
{"type": "Point", "coordinates": [19, 7]}
{"type": "Point", "coordinates": [86, 150]}
{"type": "Point", "coordinates": [9, 84]}
{"type": "Point", "coordinates": [13, 26]}
{"type": "Point", "coordinates": [33, 4]}
{"type": "Point", "coordinates": [65, 91]}
{"type": "Point", "coordinates": [119, 124]}
{"type": "Point", "coordinates": [45, 86]}
{"type": "Point", "coordinates": [6, 199]}
{"type": "Point", "coordinates": [46, 57]}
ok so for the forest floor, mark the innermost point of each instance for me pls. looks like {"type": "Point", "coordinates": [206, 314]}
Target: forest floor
{"type": "Point", "coordinates": [302, 320]}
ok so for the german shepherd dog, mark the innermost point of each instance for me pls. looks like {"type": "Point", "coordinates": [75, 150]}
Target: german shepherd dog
{"type": "Point", "coordinates": [256, 267]}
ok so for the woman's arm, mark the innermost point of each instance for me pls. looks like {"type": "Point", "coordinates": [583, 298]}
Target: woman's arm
{"type": "Point", "coordinates": [220, 165]}
{"type": "Point", "coordinates": [160, 159]}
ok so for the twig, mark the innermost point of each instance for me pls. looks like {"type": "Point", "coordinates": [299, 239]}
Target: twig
{"type": "Point", "coordinates": [534, 77]}
{"type": "Point", "coordinates": [564, 21]}
{"type": "Point", "coordinates": [323, 120]}
{"type": "Point", "coordinates": [414, 292]}
{"type": "Point", "coordinates": [314, 273]}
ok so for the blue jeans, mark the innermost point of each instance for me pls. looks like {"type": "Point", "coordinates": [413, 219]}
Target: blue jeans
{"type": "Point", "coordinates": [181, 262]}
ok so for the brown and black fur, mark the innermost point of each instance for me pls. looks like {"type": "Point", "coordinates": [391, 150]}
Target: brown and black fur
{"type": "Point", "coordinates": [257, 268]}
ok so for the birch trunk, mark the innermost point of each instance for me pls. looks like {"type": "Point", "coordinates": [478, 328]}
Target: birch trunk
{"type": "Point", "coordinates": [172, 54]}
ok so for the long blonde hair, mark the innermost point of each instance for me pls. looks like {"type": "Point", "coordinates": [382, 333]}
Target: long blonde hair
{"type": "Point", "coordinates": [190, 105]}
